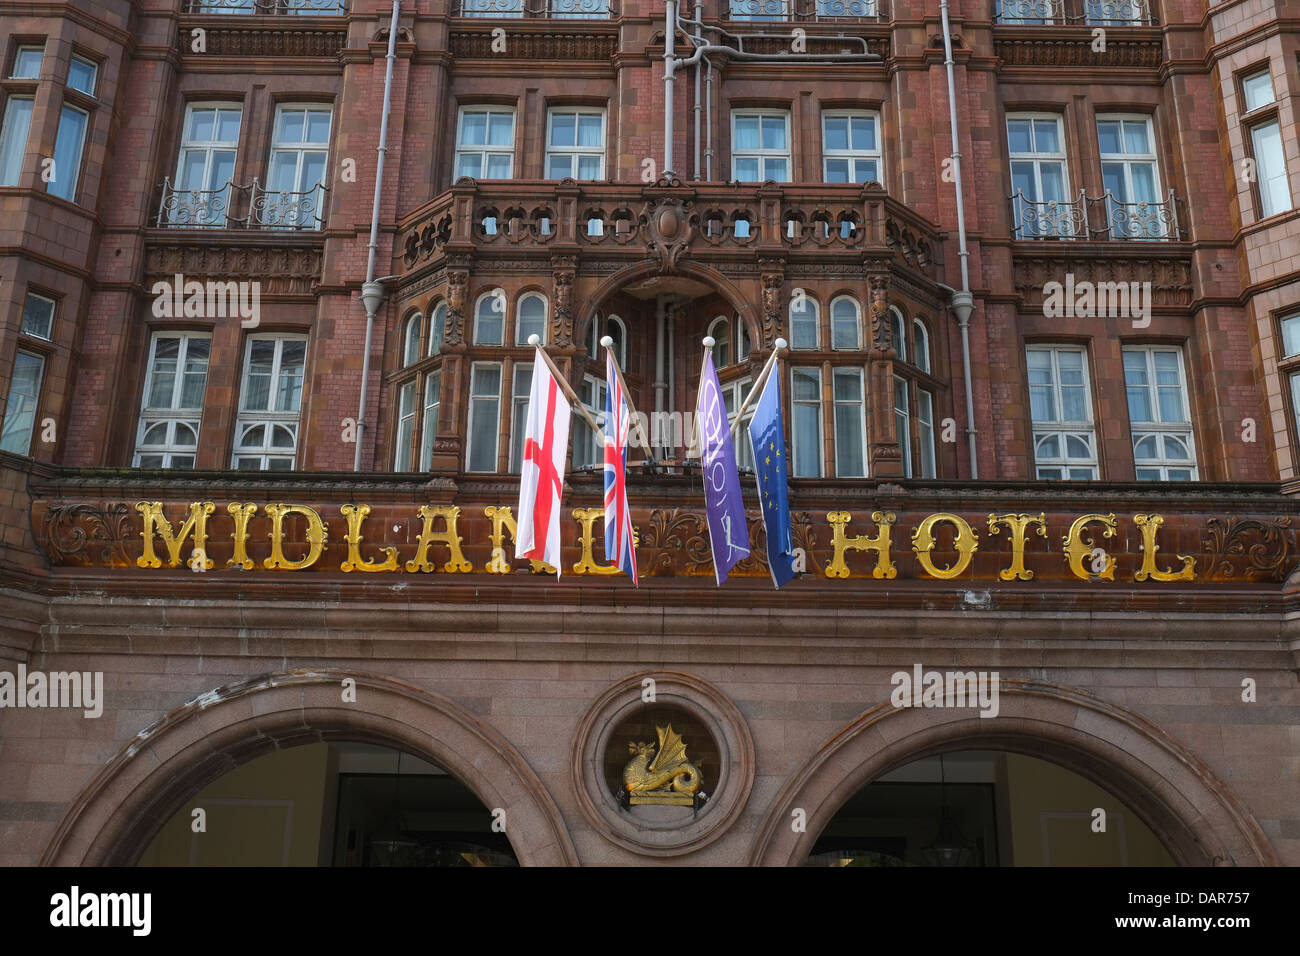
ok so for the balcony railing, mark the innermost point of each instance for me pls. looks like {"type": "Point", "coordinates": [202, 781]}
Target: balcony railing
{"type": "Point", "coordinates": [266, 208]}
{"type": "Point", "coordinates": [805, 10]}
{"type": "Point", "coordinates": [1101, 13]}
{"type": "Point", "coordinates": [1094, 218]}
{"type": "Point", "coordinates": [548, 9]}
{"type": "Point", "coordinates": [269, 7]}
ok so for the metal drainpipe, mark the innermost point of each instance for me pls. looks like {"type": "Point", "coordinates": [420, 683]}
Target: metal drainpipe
{"type": "Point", "coordinates": [670, 67]}
{"type": "Point", "coordinates": [963, 303]}
{"type": "Point", "coordinates": [695, 170]}
{"type": "Point", "coordinates": [708, 119]}
{"type": "Point", "coordinates": [372, 292]}
{"type": "Point", "coordinates": [660, 384]}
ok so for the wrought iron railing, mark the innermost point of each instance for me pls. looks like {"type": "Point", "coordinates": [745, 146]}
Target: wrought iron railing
{"type": "Point", "coordinates": [266, 208]}
{"type": "Point", "coordinates": [1109, 13]}
{"type": "Point", "coordinates": [805, 10]}
{"type": "Point", "coordinates": [547, 9]}
{"type": "Point", "coordinates": [269, 7]}
{"type": "Point", "coordinates": [1095, 217]}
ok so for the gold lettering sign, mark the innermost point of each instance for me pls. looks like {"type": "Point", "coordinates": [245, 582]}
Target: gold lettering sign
{"type": "Point", "coordinates": [840, 544]}
{"type": "Point", "coordinates": [456, 564]}
{"type": "Point", "coordinates": [196, 524]}
{"type": "Point", "coordinates": [1076, 550]}
{"type": "Point", "coordinates": [316, 537]}
{"type": "Point", "coordinates": [1150, 524]}
{"type": "Point", "coordinates": [503, 520]}
{"type": "Point", "coordinates": [355, 562]}
{"type": "Point", "coordinates": [241, 513]}
{"type": "Point", "coordinates": [966, 541]}
{"type": "Point", "coordinates": [1018, 525]}
{"type": "Point", "coordinates": [587, 565]}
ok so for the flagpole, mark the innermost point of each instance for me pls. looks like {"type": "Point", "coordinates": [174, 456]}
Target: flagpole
{"type": "Point", "coordinates": [757, 388]}
{"type": "Point", "coordinates": [535, 341]}
{"type": "Point", "coordinates": [608, 343]}
{"type": "Point", "coordinates": [708, 343]}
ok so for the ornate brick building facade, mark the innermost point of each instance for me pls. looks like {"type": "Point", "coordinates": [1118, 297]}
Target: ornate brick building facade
{"type": "Point", "coordinates": [1079, 485]}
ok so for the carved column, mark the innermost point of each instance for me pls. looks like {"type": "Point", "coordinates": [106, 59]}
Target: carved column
{"type": "Point", "coordinates": [886, 456]}
{"type": "Point", "coordinates": [771, 277]}
{"type": "Point", "coordinates": [563, 271]}
{"type": "Point", "coordinates": [448, 443]}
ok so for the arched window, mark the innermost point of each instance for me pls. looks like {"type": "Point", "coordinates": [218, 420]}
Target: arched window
{"type": "Point", "coordinates": [742, 340]}
{"type": "Point", "coordinates": [846, 325]}
{"type": "Point", "coordinates": [805, 323]}
{"type": "Point", "coordinates": [437, 328]}
{"type": "Point", "coordinates": [617, 331]}
{"type": "Point", "coordinates": [721, 334]}
{"type": "Point", "coordinates": [490, 318]}
{"type": "Point", "coordinates": [411, 340]}
{"type": "Point", "coordinates": [921, 343]}
{"type": "Point", "coordinates": [530, 319]}
{"type": "Point", "coordinates": [896, 328]}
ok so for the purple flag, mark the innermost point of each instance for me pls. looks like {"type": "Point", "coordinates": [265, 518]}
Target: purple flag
{"type": "Point", "coordinates": [728, 530]}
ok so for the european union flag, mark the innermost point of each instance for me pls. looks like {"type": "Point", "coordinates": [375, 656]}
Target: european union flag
{"type": "Point", "coordinates": [767, 435]}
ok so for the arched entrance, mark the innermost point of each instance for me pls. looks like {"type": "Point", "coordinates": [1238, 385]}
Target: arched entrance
{"type": "Point", "coordinates": [1193, 814]}
{"type": "Point", "coordinates": [116, 817]}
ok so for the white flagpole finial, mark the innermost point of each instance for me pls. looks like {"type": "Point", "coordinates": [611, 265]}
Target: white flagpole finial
{"type": "Point", "coordinates": [534, 339]}
{"type": "Point", "coordinates": [781, 345]}
{"type": "Point", "coordinates": [606, 341]}
{"type": "Point", "coordinates": [708, 342]}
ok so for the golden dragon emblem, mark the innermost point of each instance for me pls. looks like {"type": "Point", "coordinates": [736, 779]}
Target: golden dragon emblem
{"type": "Point", "coordinates": [666, 778]}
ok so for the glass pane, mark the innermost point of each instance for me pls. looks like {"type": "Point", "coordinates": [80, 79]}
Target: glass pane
{"type": "Point", "coordinates": [1018, 136]}
{"type": "Point", "coordinates": [155, 434]}
{"type": "Point", "coordinates": [196, 373]}
{"type": "Point", "coordinates": [1258, 90]}
{"type": "Point", "coordinates": [864, 171]}
{"type": "Point", "coordinates": [186, 436]}
{"type": "Point", "coordinates": [1148, 474]}
{"type": "Point", "coordinates": [488, 328]}
{"type": "Point", "coordinates": [81, 76]}
{"type": "Point", "coordinates": [1135, 137]}
{"type": "Point", "coordinates": [1180, 474]}
{"type": "Point", "coordinates": [1139, 405]}
{"type": "Point", "coordinates": [470, 164]}
{"type": "Point", "coordinates": [560, 166]}
{"type": "Point", "coordinates": [166, 352]}
{"type": "Point", "coordinates": [848, 386]}
{"type": "Point", "coordinates": [773, 132]}
{"type": "Point", "coordinates": [498, 166]}
{"type": "Point", "coordinates": [837, 132]}
{"type": "Point", "coordinates": [487, 380]}
{"type": "Point", "coordinates": [1176, 449]}
{"type": "Point", "coordinates": [228, 125]}
{"type": "Point", "coordinates": [1076, 447]}
{"type": "Point", "coordinates": [67, 153]}
{"type": "Point", "coordinates": [222, 170]}
{"type": "Point", "coordinates": [588, 167]}
{"type": "Point", "coordinates": [501, 129]}
{"type": "Point", "coordinates": [589, 131]}
{"type": "Point", "coordinates": [807, 386]}
{"type": "Point", "coordinates": [153, 461]}
{"type": "Point", "coordinates": [837, 170]}
{"type": "Point", "coordinates": [1144, 182]}
{"type": "Point", "coordinates": [1071, 366]}
{"type": "Point", "coordinates": [318, 126]}
{"type": "Point", "coordinates": [1042, 403]}
{"type": "Point", "coordinates": [38, 316]}
{"type": "Point", "coordinates": [1049, 447]}
{"type": "Point", "coordinates": [411, 350]}
{"type": "Point", "coordinates": [27, 63]}
{"type": "Point", "coordinates": [775, 170]}
{"type": "Point", "coordinates": [436, 330]}
{"type": "Point", "coordinates": [1082, 474]}
{"type": "Point", "coordinates": [284, 171]}
{"type": "Point", "coordinates": [473, 129]}
{"type": "Point", "coordinates": [1023, 181]}
{"type": "Point", "coordinates": [1046, 136]}
{"type": "Point", "coordinates": [563, 129]}
{"type": "Point", "coordinates": [1146, 449]}
{"type": "Point", "coordinates": [1053, 182]}
{"type": "Point", "coordinates": [746, 132]}
{"type": "Point", "coordinates": [1108, 136]}
{"type": "Point", "coordinates": [844, 325]}
{"type": "Point", "coordinates": [747, 170]}
{"type": "Point", "coordinates": [807, 432]}
{"type": "Point", "coordinates": [1112, 178]}
{"type": "Point", "coordinates": [1171, 405]}
{"type": "Point", "coordinates": [483, 432]}
{"type": "Point", "coordinates": [864, 133]}
{"type": "Point", "coordinates": [1135, 368]}
{"type": "Point", "coordinates": [900, 395]}
{"type": "Point", "coordinates": [1291, 336]}
{"type": "Point", "coordinates": [291, 126]}
{"type": "Point", "coordinates": [13, 139]}
{"type": "Point", "coordinates": [1073, 406]}
{"type": "Point", "coordinates": [848, 441]}
{"type": "Point", "coordinates": [202, 126]}
{"type": "Point", "coordinates": [803, 326]}
{"type": "Point", "coordinates": [1049, 474]}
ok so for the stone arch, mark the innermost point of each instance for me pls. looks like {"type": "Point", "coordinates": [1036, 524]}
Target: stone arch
{"type": "Point", "coordinates": [743, 305]}
{"type": "Point", "coordinates": [1193, 813]}
{"type": "Point", "coordinates": [113, 819]}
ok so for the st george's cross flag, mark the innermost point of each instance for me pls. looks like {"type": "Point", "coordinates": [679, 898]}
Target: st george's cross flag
{"type": "Point", "coordinates": [728, 529]}
{"type": "Point", "coordinates": [619, 547]}
{"type": "Point", "coordinates": [767, 435]}
{"type": "Point", "coordinates": [541, 482]}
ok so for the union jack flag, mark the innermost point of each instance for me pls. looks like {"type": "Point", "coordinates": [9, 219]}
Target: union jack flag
{"type": "Point", "coordinates": [619, 548]}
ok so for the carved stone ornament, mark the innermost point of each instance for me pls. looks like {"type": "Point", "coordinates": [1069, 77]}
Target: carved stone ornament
{"type": "Point", "coordinates": [881, 335]}
{"type": "Point", "coordinates": [563, 270]}
{"type": "Point", "coordinates": [771, 278]}
{"type": "Point", "coordinates": [669, 228]}
{"type": "Point", "coordinates": [457, 285]}
{"type": "Point", "coordinates": [666, 778]}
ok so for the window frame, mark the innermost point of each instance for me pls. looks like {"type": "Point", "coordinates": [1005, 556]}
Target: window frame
{"type": "Point", "coordinates": [64, 110]}
{"type": "Point", "coordinates": [816, 324]}
{"type": "Point", "coordinates": [250, 417]}
{"type": "Point", "coordinates": [921, 345]}
{"type": "Point", "coordinates": [840, 371]}
{"type": "Point", "coordinates": [857, 323]}
{"type": "Point", "coordinates": [21, 155]}
{"type": "Point", "coordinates": [1038, 159]}
{"type": "Point", "coordinates": [576, 152]}
{"type": "Point", "coordinates": [796, 443]}
{"type": "Point", "coordinates": [1060, 427]}
{"type": "Point", "coordinates": [853, 156]}
{"type": "Point", "coordinates": [40, 358]}
{"type": "Point", "coordinates": [486, 147]}
{"type": "Point", "coordinates": [94, 74]}
{"type": "Point", "coordinates": [301, 149]}
{"type": "Point", "coordinates": [520, 340]}
{"type": "Point", "coordinates": [19, 50]}
{"type": "Point", "coordinates": [1183, 430]}
{"type": "Point", "coordinates": [476, 340]}
{"type": "Point", "coordinates": [54, 310]}
{"type": "Point", "coordinates": [173, 413]}
{"type": "Point", "coordinates": [474, 402]}
{"type": "Point", "coordinates": [759, 152]}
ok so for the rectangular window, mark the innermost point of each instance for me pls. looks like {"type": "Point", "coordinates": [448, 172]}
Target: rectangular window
{"type": "Point", "coordinates": [1116, 13]}
{"type": "Point", "coordinates": [733, 396]}
{"type": "Point", "coordinates": [850, 147]}
{"type": "Point", "coordinates": [20, 409]}
{"type": "Point", "coordinates": [1061, 407]}
{"type": "Point", "coordinates": [579, 9]}
{"type": "Point", "coordinates": [850, 424]}
{"type": "Point", "coordinates": [804, 324]}
{"type": "Point", "coordinates": [1130, 177]}
{"type": "Point", "coordinates": [1038, 176]}
{"type": "Point", "coordinates": [1270, 163]}
{"type": "Point", "coordinates": [519, 414]}
{"type": "Point", "coordinates": [82, 74]}
{"type": "Point", "coordinates": [575, 144]}
{"type": "Point", "coordinates": [925, 419]}
{"type": "Point", "coordinates": [492, 9]}
{"type": "Point", "coordinates": [760, 9]}
{"type": "Point", "coordinates": [1291, 336]}
{"type": "Point", "coordinates": [266, 432]}
{"type": "Point", "coordinates": [1257, 90]}
{"type": "Point", "coordinates": [67, 152]}
{"type": "Point", "coordinates": [1159, 415]}
{"type": "Point", "coordinates": [296, 174]}
{"type": "Point", "coordinates": [902, 417]}
{"type": "Point", "coordinates": [405, 426]}
{"type": "Point", "coordinates": [168, 435]}
{"type": "Point", "coordinates": [38, 316]}
{"type": "Point", "coordinates": [27, 63]}
{"type": "Point", "coordinates": [760, 147]}
{"type": "Point", "coordinates": [429, 429]}
{"type": "Point", "coordinates": [806, 430]}
{"type": "Point", "coordinates": [485, 143]}
{"type": "Point", "coordinates": [588, 448]}
{"type": "Point", "coordinates": [13, 138]}
{"type": "Point", "coordinates": [205, 167]}
{"type": "Point", "coordinates": [484, 416]}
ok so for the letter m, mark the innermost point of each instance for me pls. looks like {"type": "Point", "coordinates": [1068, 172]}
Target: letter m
{"type": "Point", "coordinates": [223, 299]}
{"type": "Point", "coordinates": [1109, 297]}
{"type": "Point", "coordinates": [117, 904]}
{"type": "Point", "coordinates": [962, 687]}
{"type": "Point", "coordinates": [63, 686]}
{"type": "Point", "coordinates": [196, 524]}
